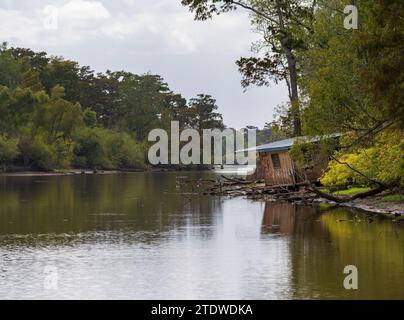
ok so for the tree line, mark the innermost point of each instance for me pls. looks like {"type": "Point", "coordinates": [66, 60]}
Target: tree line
{"type": "Point", "coordinates": [57, 114]}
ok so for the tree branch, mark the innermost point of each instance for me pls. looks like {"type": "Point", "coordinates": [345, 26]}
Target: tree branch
{"type": "Point", "coordinates": [373, 131]}
{"type": "Point", "coordinates": [245, 6]}
{"type": "Point", "coordinates": [357, 171]}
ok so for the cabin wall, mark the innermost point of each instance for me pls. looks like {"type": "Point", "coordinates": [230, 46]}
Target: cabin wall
{"type": "Point", "coordinates": [289, 173]}
{"type": "Point", "coordinates": [277, 176]}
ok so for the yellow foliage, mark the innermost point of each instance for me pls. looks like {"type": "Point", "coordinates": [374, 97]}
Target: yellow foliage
{"type": "Point", "coordinates": [383, 161]}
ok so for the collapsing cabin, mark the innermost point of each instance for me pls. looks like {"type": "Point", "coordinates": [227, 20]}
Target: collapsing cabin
{"type": "Point", "coordinates": [277, 167]}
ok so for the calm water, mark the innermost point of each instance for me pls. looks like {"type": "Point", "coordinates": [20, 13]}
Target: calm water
{"type": "Point", "coordinates": [135, 236]}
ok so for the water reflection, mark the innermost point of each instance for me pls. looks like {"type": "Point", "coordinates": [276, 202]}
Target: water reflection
{"type": "Point", "coordinates": [323, 243]}
{"type": "Point", "coordinates": [78, 204]}
{"type": "Point", "coordinates": [135, 236]}
{"type": "Point", "coordinates": [290, 219]}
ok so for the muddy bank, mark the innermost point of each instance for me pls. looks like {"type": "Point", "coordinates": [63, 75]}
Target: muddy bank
{"type": "Point", "coordinates": [376, 204]}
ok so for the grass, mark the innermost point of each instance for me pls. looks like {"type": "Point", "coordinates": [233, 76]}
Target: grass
{"type": "Point", "coordinates": [393, 198]}
{"type": "Point", "coordinates": [351, 191]}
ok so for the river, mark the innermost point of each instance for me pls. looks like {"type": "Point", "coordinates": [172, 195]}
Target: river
{"type": "Point", "coordinates": [136, 236]}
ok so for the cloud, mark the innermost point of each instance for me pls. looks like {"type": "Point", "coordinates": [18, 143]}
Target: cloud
{"type": "Point", "coordinates": [150, 27]}
{"type": "Point", "coordinates": [83, 10]}
{"type": "Point", "coordinates": [16, 26]}
{"type": "Point", "coordinates": [67, 24]}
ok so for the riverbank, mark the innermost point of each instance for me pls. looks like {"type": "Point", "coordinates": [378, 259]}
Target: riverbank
{"type": "Point", "coordinates": [68, 172]}
{"type": "Point", "coordinates": [376, 204]}
{"type": "Point", "coordinates": [383, 203]}
{"type": "Point", "coordinates": [25, 171]}
{"type": "Point", "coordinates": [56, 173]}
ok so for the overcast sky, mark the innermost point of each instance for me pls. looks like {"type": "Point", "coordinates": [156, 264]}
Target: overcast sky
{"type": "Point", "coordinates": [157, 36]}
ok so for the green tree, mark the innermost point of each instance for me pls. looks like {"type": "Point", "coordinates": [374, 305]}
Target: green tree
{"type": "Point", "coordinates": [102, 94]}
{"type": "Point", "coordinates": [16, 108]}
{"type": "Point", "coordinates": [142, 102]}
{"type": "Point", "coordinates": [203, 113]}
{"type": "Point", "coordinates": [337, 77]}
{"type": "Point", "coordinates": [108, 149]}
{"type": "Point", "coordinates": [64, 73]}
{"type": "Point", "coordinates": [10, 68]}
{"type": "Point", "coordinates": [351, 82]}
{"type": "Point", "coordinates": [30, 59]}
{"type": "Point", "coordinates": [380, 42]}
{"type": "Point", "coordinates": [31, 80]}
{"type": "Point", "coordinates": [284, 25]}
{"type": "Point", "coordinates": [89, 118]}
{"type": "Point", "coordinates": [60, 117]}
{"type": "Point", "coordinates": [90, 150]}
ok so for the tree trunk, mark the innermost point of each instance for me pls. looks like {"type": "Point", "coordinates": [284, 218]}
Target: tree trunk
{"type": "Point", "coordinates": [294, 99]}
{"type": "Point", "coordinates": [291, 60]}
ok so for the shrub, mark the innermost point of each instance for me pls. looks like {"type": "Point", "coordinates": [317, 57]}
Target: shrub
{"type": "Point", "coordinates": [89, 118]}
{"type": "Point", "coordinates": [89, 149]}
{"type": "Point", "coordinates": [108, 149]}
{"type": "Point", "coordinates": [8, 150]}
{"type": "Point", "coordinates": [40, 154]}
{"type": "Point", "coordinates": [124, 151]}
{"type": "Point", "coordinates": [383, 161]}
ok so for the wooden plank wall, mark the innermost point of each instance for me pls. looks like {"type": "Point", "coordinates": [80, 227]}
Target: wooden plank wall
{"type": "Point", "coordinates": [288, 174]}
{"type": "Point", "coordinates": [283, 175]}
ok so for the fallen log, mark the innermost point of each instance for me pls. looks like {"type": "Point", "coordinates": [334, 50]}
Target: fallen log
{"type": "Point", "coordinates": [343, 199]}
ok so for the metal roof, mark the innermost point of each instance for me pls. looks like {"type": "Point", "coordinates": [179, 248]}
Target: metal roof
{"type": "Point", "coordinates": [277, 145]}
{"type": "Point", "coordinates": [286, 144]}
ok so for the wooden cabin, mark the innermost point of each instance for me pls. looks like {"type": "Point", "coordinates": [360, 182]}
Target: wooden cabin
{"type": "Point", "coordinates": [277, 167]}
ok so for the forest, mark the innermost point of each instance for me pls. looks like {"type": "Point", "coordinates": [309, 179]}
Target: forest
{"type": "Point", "coordinates": [342, 62]}
{"type": "Point", "coordinates": [57, 114]}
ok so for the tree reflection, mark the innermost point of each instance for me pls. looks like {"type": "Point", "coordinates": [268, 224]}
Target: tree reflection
{"type": "Point", "coordinates": [145, 202]}
{"type": "Point", "coordinates": [323, 243]}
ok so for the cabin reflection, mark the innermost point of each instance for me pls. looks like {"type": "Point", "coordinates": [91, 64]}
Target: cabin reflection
{"type": "Point", "coordinates": [287, 218]}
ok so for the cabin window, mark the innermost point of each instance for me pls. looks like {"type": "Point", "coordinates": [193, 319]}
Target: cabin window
{"type": "Point", "coordinates": [276, 162]}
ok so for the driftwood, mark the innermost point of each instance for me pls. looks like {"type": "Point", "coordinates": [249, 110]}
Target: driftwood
{"type": "Point", "coordinates": [234, 187]}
